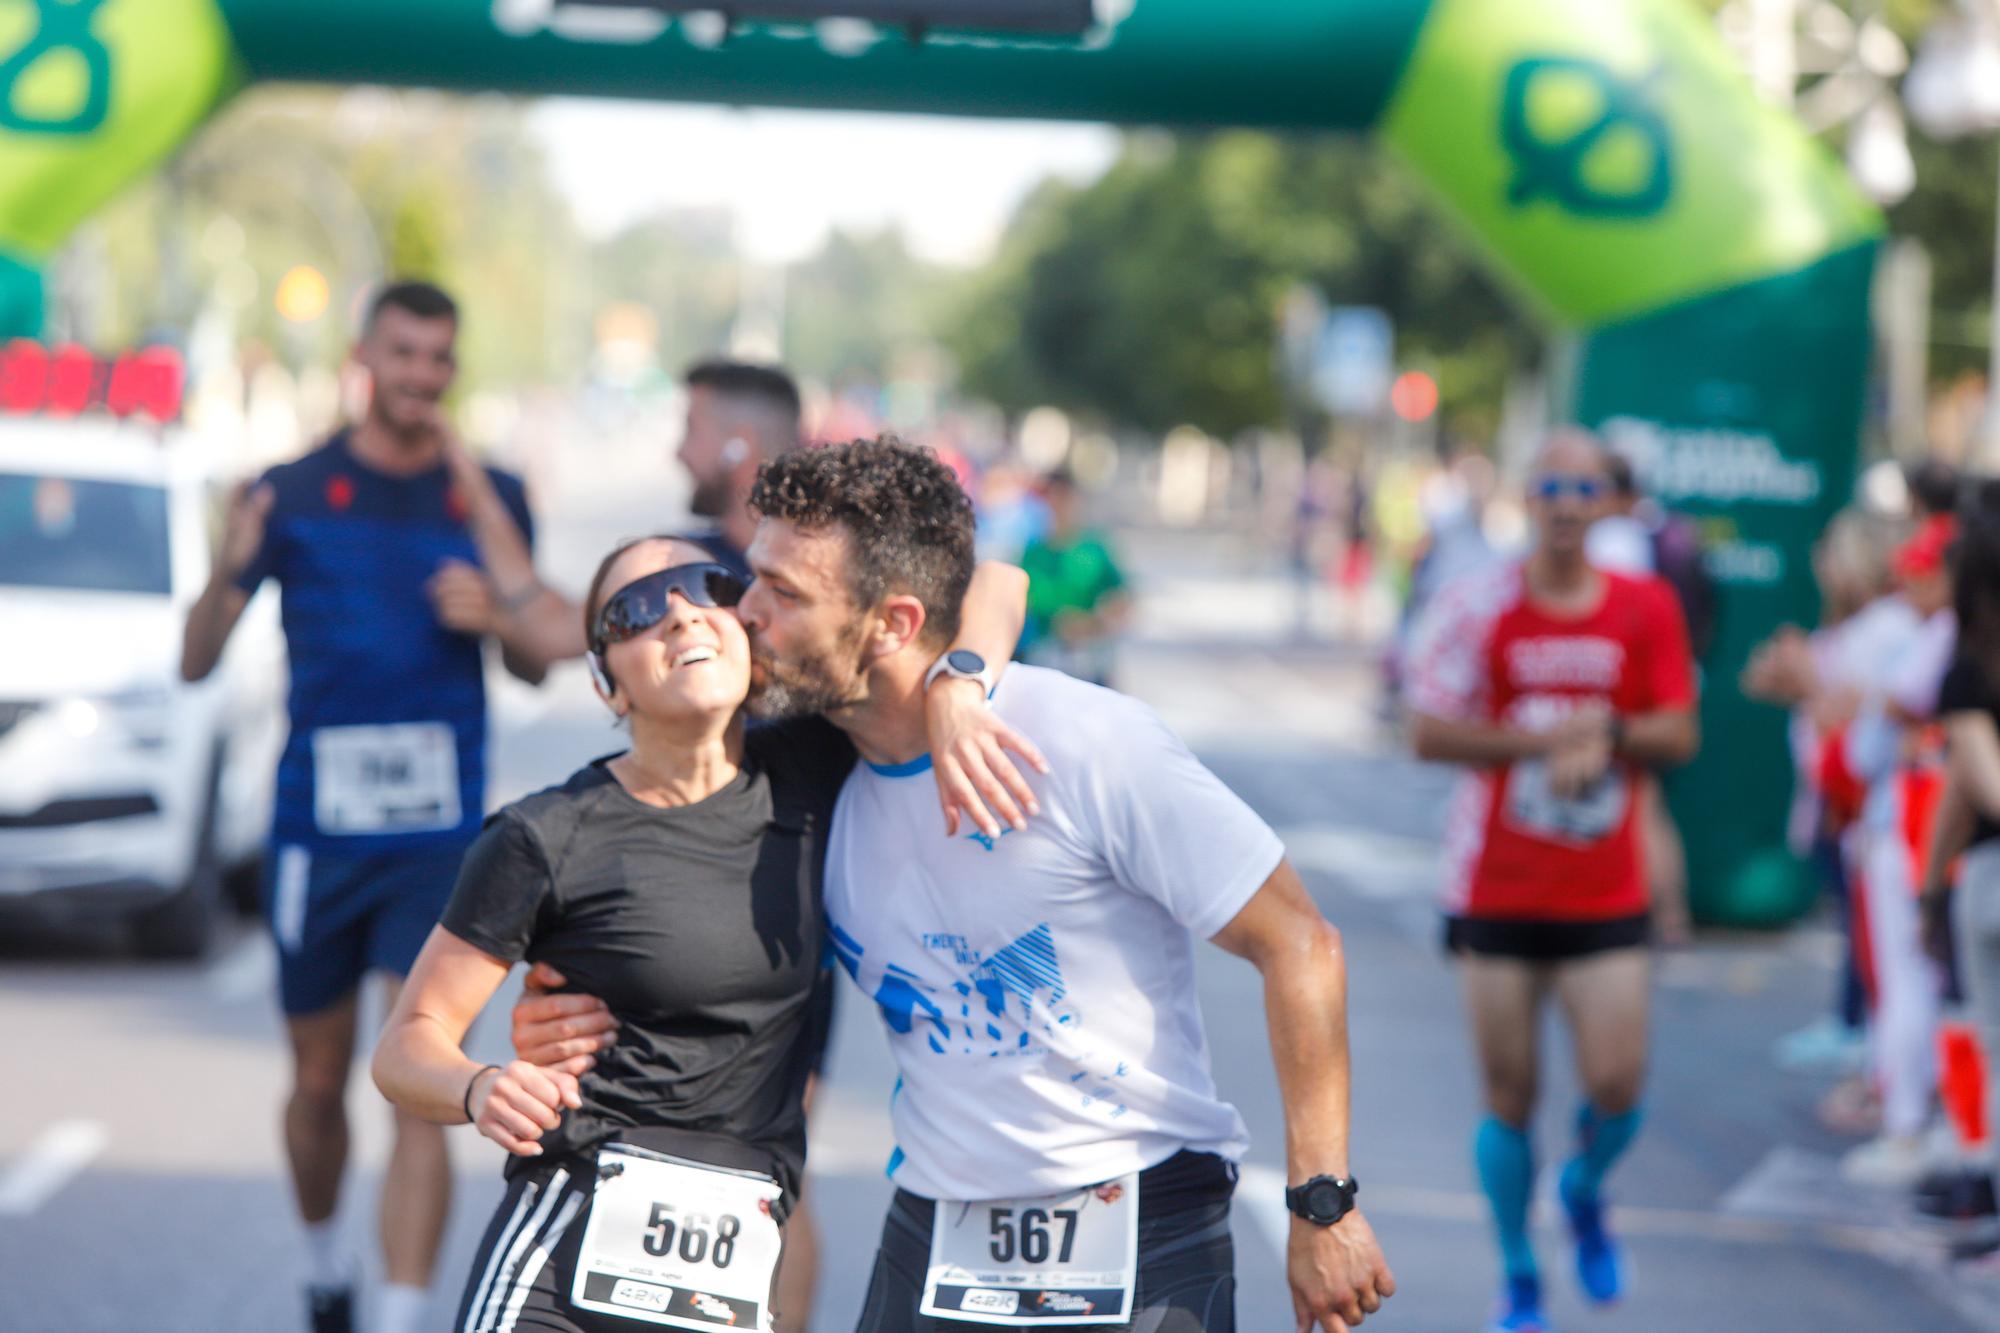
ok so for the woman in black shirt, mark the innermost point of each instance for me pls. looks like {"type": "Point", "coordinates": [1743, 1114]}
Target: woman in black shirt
{"type": "Point", "coordinates": [680, 882]}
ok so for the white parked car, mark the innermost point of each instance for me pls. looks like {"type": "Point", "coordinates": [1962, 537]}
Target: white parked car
{"type": "Point", "coordinates": [124, 791]}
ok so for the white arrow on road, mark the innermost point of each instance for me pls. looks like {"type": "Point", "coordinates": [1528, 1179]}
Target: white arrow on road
{"type": "Point", "coordinates": [33, 1178]}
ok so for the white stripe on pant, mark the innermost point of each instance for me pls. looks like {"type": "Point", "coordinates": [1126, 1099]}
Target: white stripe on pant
{"type": "Point", "coordinates": [531, 1267]}
{"type": "Point", "coordinates": [492, 1299]}
{"type": "Point", "coordinates": [1903, 1036]}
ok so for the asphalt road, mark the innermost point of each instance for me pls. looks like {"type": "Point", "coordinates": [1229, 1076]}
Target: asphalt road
{"type": "Point", "coordinates": [141, 1183]}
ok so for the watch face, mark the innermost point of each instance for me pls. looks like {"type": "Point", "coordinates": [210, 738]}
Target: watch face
{"type": "Point", "coordinates": [1325, 1200]}
{"type": "Point", "coordinates": [966, 662]}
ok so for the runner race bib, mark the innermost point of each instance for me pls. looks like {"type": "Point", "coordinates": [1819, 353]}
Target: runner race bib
{"type": "Point", "coordinates": [675, 1243]}
{"type": "Point", "coordinates": [1062, 1259]}
{"type": "Point", "coordinates": [1532, 807]}
{"type": "Point", "coordinates": [399, 778]}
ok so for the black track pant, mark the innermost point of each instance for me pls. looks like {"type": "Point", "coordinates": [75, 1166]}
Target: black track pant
{"type": "Point", "coordinates": [1187, 1263]}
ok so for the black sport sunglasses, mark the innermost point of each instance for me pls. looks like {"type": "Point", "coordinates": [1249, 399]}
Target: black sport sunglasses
{"type": "Point", "coordinates": [642, 603]}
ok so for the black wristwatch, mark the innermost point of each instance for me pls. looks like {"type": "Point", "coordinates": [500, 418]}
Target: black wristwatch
{"type": "Point", "coordinates": [1323, 1200]}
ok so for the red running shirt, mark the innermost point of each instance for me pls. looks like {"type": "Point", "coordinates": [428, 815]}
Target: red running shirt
{"type": "Point", "coordinates": [1485, 653]}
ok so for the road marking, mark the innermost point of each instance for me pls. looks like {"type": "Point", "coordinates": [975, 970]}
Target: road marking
{"type": "Point", "coordinates": [46, 1165]}
{"type": "Point", "coordinates": [1263, 1194]}
{"type": "Point", "coordinates": [247, 971]}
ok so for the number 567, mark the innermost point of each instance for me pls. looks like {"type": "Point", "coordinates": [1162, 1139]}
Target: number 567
{"type": "Point", "coordinates": [1030, 1238]}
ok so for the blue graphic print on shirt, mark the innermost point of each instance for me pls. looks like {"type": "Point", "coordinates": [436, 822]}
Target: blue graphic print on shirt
{"type": "Point", "coordinates": [1027, 972]}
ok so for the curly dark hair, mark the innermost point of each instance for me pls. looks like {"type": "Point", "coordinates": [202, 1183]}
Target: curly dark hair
{"type": "Point", "coordinates": [908, 521]}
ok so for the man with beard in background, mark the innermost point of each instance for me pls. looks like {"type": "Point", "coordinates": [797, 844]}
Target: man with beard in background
{"type": "Point", "coordinates": [739, 417]}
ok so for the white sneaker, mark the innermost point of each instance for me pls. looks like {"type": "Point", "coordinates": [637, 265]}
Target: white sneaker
{"type": "Point", "coordinates": [1886, 1163]}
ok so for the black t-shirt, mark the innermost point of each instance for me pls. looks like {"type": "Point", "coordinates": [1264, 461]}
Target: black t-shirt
{"type": "Point", "coordinates": [700, 927]}
{"type": "Point", "coordinates": [1967, 690]}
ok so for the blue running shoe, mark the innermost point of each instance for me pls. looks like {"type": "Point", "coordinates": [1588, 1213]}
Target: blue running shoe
{"type": "Point", "coordinates": [1599, 1267]}
{"type": "Point", "coordinates": [1519, 1309]}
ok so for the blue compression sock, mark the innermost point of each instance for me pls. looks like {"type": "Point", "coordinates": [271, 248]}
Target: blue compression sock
{"type": "Point", "coordinates": [1506, 1159]}
{"type": "Point", "coordinates": [1601, 1141]}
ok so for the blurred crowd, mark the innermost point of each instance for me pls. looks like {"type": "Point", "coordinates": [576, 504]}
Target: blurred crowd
{"type": "Point", "coordinates": [1892, 739]}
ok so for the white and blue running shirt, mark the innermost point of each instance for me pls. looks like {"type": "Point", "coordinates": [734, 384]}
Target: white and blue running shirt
{"type": "Point", "coordinates": [1038, 989]}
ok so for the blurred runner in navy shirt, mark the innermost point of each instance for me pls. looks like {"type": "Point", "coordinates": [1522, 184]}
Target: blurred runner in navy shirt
{"type": "Point", "coordinates": [382, 784]}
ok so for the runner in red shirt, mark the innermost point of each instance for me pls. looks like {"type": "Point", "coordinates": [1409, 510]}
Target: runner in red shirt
{"type": "Point", "coordinates": [1557, 684]}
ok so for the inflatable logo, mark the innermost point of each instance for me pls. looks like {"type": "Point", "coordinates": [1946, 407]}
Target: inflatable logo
{"type": "Point", "coordinates": [58, 81]}
{"type": "Point", "coordinates": [1585, 139]}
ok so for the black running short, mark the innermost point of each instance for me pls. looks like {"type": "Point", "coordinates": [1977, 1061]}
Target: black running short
{"type": "Point", "coordinates": [1544, 941]}
{"type": "Point", "coordinates": [1187, 1264]}
{"type": "Point", "coordinates": [526, 1262]}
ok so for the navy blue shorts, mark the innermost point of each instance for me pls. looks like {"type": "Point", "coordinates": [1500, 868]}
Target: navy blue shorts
{"type": "Point", "coordinates": [338, 916]}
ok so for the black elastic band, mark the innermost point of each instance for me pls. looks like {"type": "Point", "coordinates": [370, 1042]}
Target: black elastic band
{"type": "Point", "coordinates": [470, 1084]}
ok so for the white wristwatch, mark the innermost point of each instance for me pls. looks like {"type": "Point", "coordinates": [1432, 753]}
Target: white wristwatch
{"type": "Point", "coordinates": [962, 664]}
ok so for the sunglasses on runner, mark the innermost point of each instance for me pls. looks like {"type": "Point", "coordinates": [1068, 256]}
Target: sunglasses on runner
{"type": "Point", "coordinates": [1555, 487]}
{"type": "Point", "coordinates": [643, 603]}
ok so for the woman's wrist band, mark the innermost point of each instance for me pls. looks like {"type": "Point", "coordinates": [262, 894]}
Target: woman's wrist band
{"type": "Point", "coordinates": [472, 1083]}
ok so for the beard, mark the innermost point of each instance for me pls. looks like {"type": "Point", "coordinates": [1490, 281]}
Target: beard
{"type": "Point", "coordinates": [711, 498]}
{"type": "Point", "coordinates": [805, 684]}
{"type": "Point", "coordinates": [408, 415]}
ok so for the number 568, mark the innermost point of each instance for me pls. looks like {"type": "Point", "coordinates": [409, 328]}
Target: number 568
{"type": "Point", "coordinates": [694, 1247]}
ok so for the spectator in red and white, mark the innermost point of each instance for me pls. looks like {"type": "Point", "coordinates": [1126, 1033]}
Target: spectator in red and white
{"type": "Point", "coordinates": [1890, 747]}
{"type": "Point", "coordinates": [1818, 676]}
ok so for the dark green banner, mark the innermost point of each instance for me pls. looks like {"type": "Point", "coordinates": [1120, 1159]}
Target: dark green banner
{"type": "Point", "coordinates": [1302, 64]}
{"type": "Point", "coordinates": [1743, 408]}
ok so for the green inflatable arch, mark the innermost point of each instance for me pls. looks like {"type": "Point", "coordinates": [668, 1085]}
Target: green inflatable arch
{"type": "Point", "coordinates": [1713, 260]}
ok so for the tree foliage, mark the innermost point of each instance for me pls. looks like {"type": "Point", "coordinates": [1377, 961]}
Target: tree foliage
{"type": "Point", "coordinates": [1952, 212]}
{"type": "Point", "coordinates": [859, 303]}
{"type": "Point", "coordinates": [1151, 296]}
{"type": "Point", "coordinates": [361, 185]}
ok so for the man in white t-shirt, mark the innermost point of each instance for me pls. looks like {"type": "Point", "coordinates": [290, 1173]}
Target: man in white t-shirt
{"type": "Point", "coordinates": [1062, 1149]}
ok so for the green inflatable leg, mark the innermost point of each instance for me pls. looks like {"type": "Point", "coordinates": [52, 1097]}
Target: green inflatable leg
{"type": "Point", "coordinates": [1743, 408]}
{"type": "Point", "coordinates": [20, 299]}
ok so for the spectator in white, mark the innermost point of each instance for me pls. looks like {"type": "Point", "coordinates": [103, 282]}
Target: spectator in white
{"type": "Point", "coordinates": [1908, 987]}
{"type": "Point", "coordinates": [1815, 675]}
